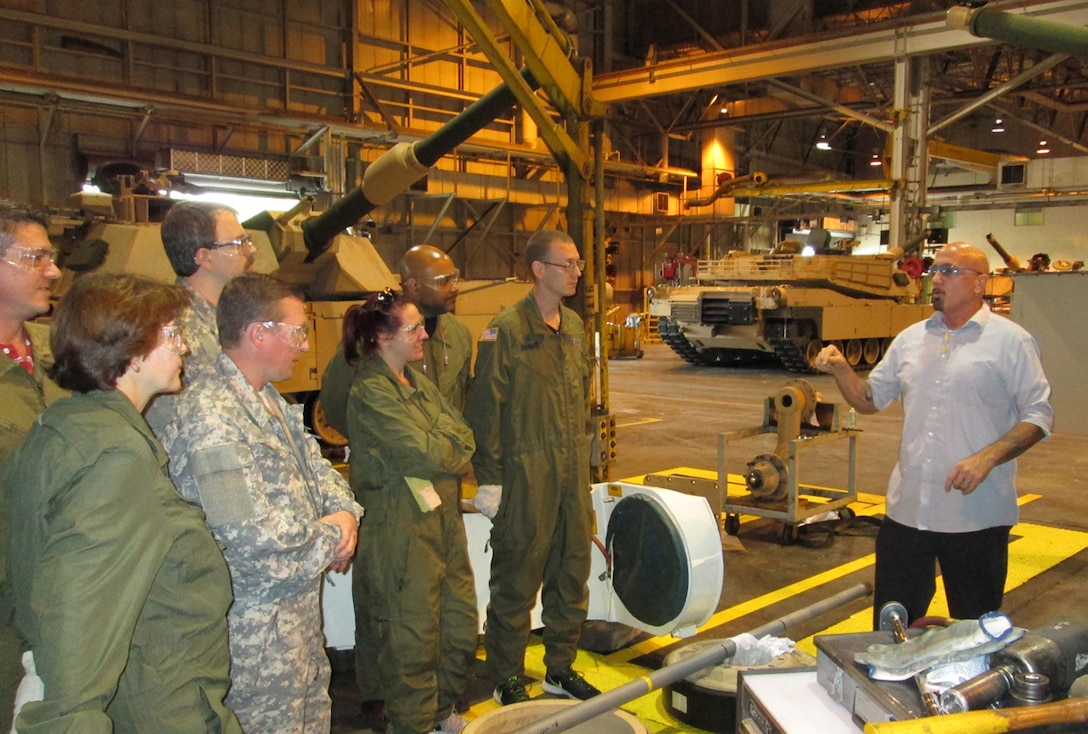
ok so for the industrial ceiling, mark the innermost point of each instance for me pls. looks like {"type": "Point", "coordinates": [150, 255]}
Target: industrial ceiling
{"type": "Point", "coordinates": [286, 81]}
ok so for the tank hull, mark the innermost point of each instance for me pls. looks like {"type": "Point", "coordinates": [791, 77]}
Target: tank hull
{"type": "Point", "coordinates": [751, 307]}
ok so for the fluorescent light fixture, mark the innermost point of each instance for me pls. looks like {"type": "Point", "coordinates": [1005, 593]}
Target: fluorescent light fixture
{"type": "Point", "coordinates": [1043, 148]}
{"type": "Point", "coordinates": [998, 127]}
{"type": "Point", "coordinates": [823, 143]}
{"type": "Point", "coordinates": [875, 161]}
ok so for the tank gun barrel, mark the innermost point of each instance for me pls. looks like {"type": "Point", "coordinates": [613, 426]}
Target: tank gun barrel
{"type": "Point", "coordinates": [1012, 263]}
{"type": "Point", "coordinates": [1020, 30]}
{"type": "Point", "coordinates": [726, 183]}
{"type": "Point", "coordinates": [909, 248]}
{"type": "Point", "coordinates": [401, 166]}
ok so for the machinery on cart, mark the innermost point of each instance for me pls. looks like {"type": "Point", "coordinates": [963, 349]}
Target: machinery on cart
{"type": "Point", "coordinates": [775, 482]}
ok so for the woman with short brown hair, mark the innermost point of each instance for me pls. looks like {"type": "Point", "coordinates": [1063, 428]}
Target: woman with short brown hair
{"type": "Point", "coordinates": [119, 587]}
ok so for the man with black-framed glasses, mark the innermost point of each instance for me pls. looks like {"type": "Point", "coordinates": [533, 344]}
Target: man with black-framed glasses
{"type": "Point", "coordinates": [207, 247]}
{"type": "Point", "coordinates": [974, 398]}
{"type": "Point", "coordinates": [27, 274]}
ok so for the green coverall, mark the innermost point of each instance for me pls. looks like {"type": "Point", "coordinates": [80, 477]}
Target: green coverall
{"type": "Point", "coordinates": [23, 398]}
{"type": "Point", "coordinates": [529, 410]}
{"type": "Point", "coordinates": [447, 357]}
{"type": "Point", "coordinates": [412, 565]}
{"type": "Point", "coordinates": [119, 588]}
{"type": "Point", "coordinates": [447, 362]}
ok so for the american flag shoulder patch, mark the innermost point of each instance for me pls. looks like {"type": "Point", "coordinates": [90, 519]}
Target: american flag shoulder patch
{"type": "Point", "coordinates": [489, 335]}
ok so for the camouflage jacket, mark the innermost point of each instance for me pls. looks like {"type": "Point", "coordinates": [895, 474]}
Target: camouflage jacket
{"type": "Point", "coordinates": [202, 335]}
{"type": "Point", "coordinates": [262, 499]}
{"type": "Point", "coordinates": [201, 331]}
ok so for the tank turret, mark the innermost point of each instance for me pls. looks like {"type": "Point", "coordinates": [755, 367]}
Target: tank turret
{"type": "Point", "coordinates": [120, 232]}
{"type": "Point", "coordinates": [313, 250]}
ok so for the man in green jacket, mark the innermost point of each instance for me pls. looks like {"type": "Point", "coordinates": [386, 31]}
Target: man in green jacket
{"type": "Point", "coordinates": [27, 273]}
{"type": "Point", "coordinates": [529, 410]}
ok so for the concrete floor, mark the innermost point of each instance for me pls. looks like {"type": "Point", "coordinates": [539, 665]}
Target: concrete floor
{"type": "Point", "coordinates": [669, 415]}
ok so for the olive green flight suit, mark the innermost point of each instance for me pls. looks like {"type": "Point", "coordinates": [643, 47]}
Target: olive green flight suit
{"type": "Point", "coordinates": [529, 410]}
{"type": "Point", "coordinates": [447, 362]}
{"type": "Point", "coordinates": [119, 587]}
{"type": "Point", "coordinates": [412, 565]}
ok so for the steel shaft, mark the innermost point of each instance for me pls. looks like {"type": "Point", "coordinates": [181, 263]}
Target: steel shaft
{"type": "Point", "coordinates": [709, 657]}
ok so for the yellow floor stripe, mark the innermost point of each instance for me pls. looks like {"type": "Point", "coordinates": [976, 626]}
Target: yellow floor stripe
{"type": "Point", "coordinates": [1038, 549]}
{"type": "Point", "coordinates": [1029, 555]}
{"type": "Point", "coordinates": [640, 422]}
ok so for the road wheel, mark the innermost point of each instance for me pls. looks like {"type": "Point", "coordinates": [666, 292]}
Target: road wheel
{"type": "Point", "coordinates": [853, 352]}
{"type": "Point", "coordinates": [871, 351]}
{"type": "Point", "coordinates": [314, 415]}
{"type": "Point", "coordinates": [812, 350]}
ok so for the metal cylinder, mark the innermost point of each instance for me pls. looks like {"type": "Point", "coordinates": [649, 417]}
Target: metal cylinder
{"type": "Point", "coordinates": [1020, 30]}
{"type": "Point", "coordinates": [710, 657]}
{"type": "Point", "coordinates": [319, 231]}
{"type": "Point", "coordinates": [979, 692]}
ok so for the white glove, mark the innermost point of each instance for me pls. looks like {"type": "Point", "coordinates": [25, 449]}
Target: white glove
{"type": "Point", "coordinates": [962, 640]}
{"type": "Point", "coordinates": [31, 687]}
{"type": "Point", "coordinates": [487, 499]}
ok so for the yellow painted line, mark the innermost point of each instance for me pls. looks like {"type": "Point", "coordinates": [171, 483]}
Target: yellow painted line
{"type": "Point", "coordinates": [752, 605]}
{"type": "Point", "coordinates": [1032, 553]}
{"type": "Point", "coordinates": [640, 422]}
{"type": "Point", "coordinates": [1038, 549]}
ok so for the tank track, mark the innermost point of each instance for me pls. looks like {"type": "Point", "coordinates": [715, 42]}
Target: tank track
{"type": "Point", "coordinates": [790, 354]}
{"type": "Point", "coordinates": [670, 334]}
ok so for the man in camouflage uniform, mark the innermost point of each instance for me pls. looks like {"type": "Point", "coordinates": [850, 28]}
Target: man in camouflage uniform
{"type": "Point", "coordinates": [206, 246]}
{"type": "Point", "coordinates": [281, 512]}
{"type": "Point", "coordinates": [27, 273]}
{"type": "Point", "coordinates": [529, 410]}
{"type": "Point", "coordinates": [429, 280]}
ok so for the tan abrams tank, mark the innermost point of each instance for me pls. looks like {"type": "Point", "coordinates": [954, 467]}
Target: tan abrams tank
{"type": "Point", "coordinates": [787, 307]}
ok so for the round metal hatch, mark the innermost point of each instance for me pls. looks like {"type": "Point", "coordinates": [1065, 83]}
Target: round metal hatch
{"type": "Point", "coordinates": [650, 564]}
